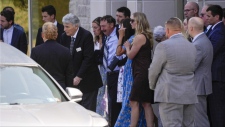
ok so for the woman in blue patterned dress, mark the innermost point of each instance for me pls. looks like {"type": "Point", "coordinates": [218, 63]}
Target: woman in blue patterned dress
{"type": "Point", "coordinates": [123, 120]}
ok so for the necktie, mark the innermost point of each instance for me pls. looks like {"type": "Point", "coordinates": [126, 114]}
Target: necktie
{"type": "Point", "coordinates": [72, 44]}
{"type": "Point", "coordinates": [106, 53]}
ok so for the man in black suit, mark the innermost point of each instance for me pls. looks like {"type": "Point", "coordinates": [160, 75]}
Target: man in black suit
{"type": "Point", "coordinates": [53, 57]}
{"type": "Point", "coordinates": [86, 74]}
{"type": "Point", "coordinates": [216, 35]}
{"type": "Point", "coordinates": [11, 35]}
{"type": "Point", "coordinates": [48, 15]}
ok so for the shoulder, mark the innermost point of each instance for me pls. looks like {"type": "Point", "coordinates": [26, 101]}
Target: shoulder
{"type": "Point", "coordinates": [18, 31]}
{"type": "Point", "coordinates": [84, 32]}
{"type": "Point", "coordinates": [140, 37]}
{"type": "Point", "coordinates": [60, 25]}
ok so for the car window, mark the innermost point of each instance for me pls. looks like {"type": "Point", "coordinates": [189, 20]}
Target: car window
{"type": "Point", "coordinates": [27, 85]}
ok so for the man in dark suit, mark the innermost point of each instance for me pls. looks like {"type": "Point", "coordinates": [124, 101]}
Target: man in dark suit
{"type": "Point", "coordinates": [86, 74]}
{"type": "Point", "coordinates": [48, 15]}
{"type": "Point", "coordinates": [216, 35]}
{"type": "Point", "coordinates": [53, 57]}
{"type": "Point", "coordinates": [10, 34]}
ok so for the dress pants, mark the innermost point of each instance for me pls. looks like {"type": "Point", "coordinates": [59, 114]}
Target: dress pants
{"type": "Point", "coordinates": [216, 105]}
{"type": "Point", "coordinates": [89, 100]}
{"type": "Point", "coordinates": [114, 107]}
{"type": "Point", "coordinates": [177, 115]}
{"type": "Point", "coordinates": [201, 117]}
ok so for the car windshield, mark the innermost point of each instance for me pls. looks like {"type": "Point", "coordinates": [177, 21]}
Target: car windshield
{"type": "Point", "coordinates": [27, 85]}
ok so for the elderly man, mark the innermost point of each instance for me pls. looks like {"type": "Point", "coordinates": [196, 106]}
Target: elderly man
{"type": "Point", "coordinates": [86, 74]}
{"type": "Point", "coordinates": [171, 74]}
{"type": "Point", "coordinates": [203, 78]}
{"type": "Point", "coordinates": [203, 16]}
{"type": "Point", "coordinates": [191, 9]}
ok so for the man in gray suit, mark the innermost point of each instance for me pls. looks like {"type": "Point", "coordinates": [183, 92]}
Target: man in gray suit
{"type": "Point", "coordinates": [203, 76]}
{"type": "Point", "coordinates": [171, 74]}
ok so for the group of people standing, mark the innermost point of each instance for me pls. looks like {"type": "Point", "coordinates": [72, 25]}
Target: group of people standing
{"type": "Point", "coordinates": [121, 80]}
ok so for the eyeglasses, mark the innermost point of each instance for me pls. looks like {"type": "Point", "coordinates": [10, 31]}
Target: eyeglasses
{"type": "Point", "coordinates": [187, 10]}
{"type": "Point", "coordinates": [132, 20]}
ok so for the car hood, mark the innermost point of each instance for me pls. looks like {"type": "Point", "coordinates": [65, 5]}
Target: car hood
{"type": "Point", "coordinates": [51, 114]}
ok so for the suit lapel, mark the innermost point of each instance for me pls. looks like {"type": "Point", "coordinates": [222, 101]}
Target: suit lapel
{"type": "Point", "coordinates": [214, 29]}
{"type": "Point", "coordinates": [14, 37]}
{"type": "Point", "coordinates": [78, 37]}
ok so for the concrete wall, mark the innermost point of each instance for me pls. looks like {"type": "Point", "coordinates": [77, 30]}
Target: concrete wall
{"type": "Point", "coordinates": [157, 11]}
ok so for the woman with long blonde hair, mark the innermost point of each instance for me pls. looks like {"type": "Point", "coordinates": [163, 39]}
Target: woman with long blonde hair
{"type": "Point", "coordinates": [140, 52]}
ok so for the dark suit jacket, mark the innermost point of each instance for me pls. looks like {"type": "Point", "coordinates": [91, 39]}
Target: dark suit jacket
{"type": "Point", "coordinates": [217, 38]}
{"type": "Point", "coordinates": [39, 39]}
{"type": "Point", "coordinates": [84, 65]}
{"type": "Point", "coordinates": [56, 60]}
{"type": "Point", "coordinates": [19, 40]}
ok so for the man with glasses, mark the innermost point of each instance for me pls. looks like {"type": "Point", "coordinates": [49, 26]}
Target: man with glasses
{"type": "Point", "coordinates": [191, 9]}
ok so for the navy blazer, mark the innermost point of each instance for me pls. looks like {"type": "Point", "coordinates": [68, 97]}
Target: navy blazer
{"type": "Point", "coordinates": [84, 65]}
{"type": "Point", "coordinates": [56, 60]}
{"type": "Point", "coordinates": [217, 38]}
{"type": "Point", "coordinates": [39, 39]}
{"type": "Point", "coordinates": [19, 39]}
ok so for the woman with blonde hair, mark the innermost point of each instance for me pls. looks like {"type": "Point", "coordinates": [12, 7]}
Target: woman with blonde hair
{"type": "Point", "coordinates": [140, 52]}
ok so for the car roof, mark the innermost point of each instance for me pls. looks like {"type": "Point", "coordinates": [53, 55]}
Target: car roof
{"type": "Point", "coordinates": [9, 55]}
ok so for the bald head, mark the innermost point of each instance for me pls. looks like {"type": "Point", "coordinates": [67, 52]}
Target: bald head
{"type": "Point", "coordinates": [191, 9]}
{"type": "Point", "coordinates": [195, 26]}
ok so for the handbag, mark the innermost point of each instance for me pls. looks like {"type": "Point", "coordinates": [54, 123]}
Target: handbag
{"type": "Point", "coordinates": [114, 63]}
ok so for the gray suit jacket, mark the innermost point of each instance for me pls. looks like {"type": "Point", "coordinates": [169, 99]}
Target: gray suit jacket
{"type": "Point", "coordinates": [171, 73]}
{"type": "Point", "coordinates": [203, 63]}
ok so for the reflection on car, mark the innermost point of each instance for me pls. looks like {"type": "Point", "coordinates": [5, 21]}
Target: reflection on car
{"type": "Point", "coordinates": [29, 96]}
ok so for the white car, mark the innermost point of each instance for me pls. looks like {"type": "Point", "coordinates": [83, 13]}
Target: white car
{"type": "Point", "coordinates": [29, 96]}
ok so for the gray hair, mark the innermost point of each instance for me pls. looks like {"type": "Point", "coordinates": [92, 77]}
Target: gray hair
{"type": "Point", "coordinates": [71, 18]}
{"type": "Point", "coordinates": [159, 33]}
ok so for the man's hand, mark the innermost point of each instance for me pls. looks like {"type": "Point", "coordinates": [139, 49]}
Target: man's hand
{"type": "Point", "coordinates": [76, 81]}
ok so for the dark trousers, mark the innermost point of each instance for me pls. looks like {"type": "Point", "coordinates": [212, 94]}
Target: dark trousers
{"type": "Point", "coordinates": [216, 105]}
{"type": "Point", "coordinates": [114, 107]}
{"type": "Point", "coordinates": [89, 100]}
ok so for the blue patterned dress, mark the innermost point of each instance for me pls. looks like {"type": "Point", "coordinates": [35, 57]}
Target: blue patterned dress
{"type": "Point", "coordinates": [124, 117]}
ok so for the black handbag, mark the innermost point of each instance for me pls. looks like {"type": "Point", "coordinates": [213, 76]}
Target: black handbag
{"type": "Point", "coordinates": [114, 63]}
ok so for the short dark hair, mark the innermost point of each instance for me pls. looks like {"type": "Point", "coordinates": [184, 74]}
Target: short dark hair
{"type": "Point", "coordinates": [49, 9]}
{"type": "Point", "coordinates": [125, 11]}
{"type": "Point", "coordinates": [8, 15]}
{"type": "Point", "coordinates": [109, 19]}
{"type": "Point", "coordinates": [216, 10]}
{"type": "Point", "coordinates": [9, 9]}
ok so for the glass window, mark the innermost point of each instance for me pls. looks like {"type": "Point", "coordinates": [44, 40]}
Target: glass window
{"type": "Point", "coordinates": [27, 85]}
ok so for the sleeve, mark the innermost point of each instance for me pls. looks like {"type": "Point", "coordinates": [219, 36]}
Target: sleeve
{"type": "Point", "coordinates": [69, 72]}
{"type": "Point", "coordinates": [23, 43]}
{"type": "Point", "coordinates": [199, 56]}
{"type": "Point", "coordinates": [159, 59]}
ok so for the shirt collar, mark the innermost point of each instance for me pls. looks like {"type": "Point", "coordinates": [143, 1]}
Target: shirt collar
{"type": "Point", "coordinates": [113, 33]}
{"type": "Point", "coordinates": [10, 29]}
{"type": "Point", "coordinates": [197, 36]}
{"type": "Point", "coordinates": [75, 35]}
{"type": "Point", "coordinates": [176, 34]}
{"type": "Point", "coordinates": [216, 24]}
{"type": "Point", "coordinates": [55, 23]}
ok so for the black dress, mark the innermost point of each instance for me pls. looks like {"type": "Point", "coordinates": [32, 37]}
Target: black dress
{"type": "Point", "coordinates": [140, 90]}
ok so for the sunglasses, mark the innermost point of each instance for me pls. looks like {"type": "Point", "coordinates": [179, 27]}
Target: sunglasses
{"type": "Point", "coordinates": [132, 20]}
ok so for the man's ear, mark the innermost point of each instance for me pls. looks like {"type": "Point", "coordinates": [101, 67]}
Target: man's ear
{"type": "Point", "coordinates": [10, 22]}
{"type": "Point", "coordinates": [217, 17]}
